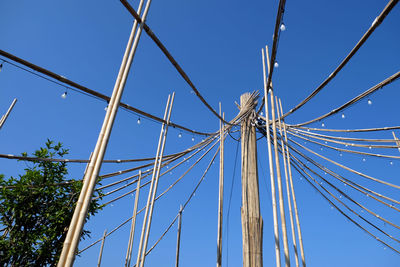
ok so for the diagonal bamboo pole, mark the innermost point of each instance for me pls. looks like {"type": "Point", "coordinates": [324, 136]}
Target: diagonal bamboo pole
{"type": "Point", "coordinates": [271, 166]}
{"type": "Point", "coordinates": [5, 116]}
{"type": "Point", "coordinates": [221, 188]}
{"type": "Point", "coordinates": [133, 224]}
{"type": "Point", "coordinates": [303, 260]}
{"type": "Point", "coordinates": [178, 238]}
{"type": "Point", "coordinates": [150, 205]}
{"type": "Point", "coordinates": [70, 246]}
{"type": "Point", "coordinates": [101, 248]}
{"type": "Point", "coordinates": [287, 185]}
{"type": "Point", "coordinates": [152, 183]}
{"type": "Point", "coordinates": [396, 140]}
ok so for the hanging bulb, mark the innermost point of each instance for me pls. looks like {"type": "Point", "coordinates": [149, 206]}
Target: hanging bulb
{"type": "Point", "coordinates": [343, 116]}
{"type": "Point", "coordinates": [391, 163]}
{"type": "Point", "coordinates": [340, 154]}
{"type": "Point", "coordinates": [180, 135]}
{"type": "Point", "coordinates": [283, 27]}
{"type": "Point", "coordinates": [370, 147]}
{"type": "Point", "coordinates": [364, 159]}
{"type": "Point", "coordinates": [276, 65]}
{"type": "Point", "coordinates": [369, 102]}
{"type": "Point", "coordinates": [261, 113]}
{"type": "Point", "coordinates": [106, 108]}
{"type": "Point", "coordinates": [64, 95]}
{"type": "Point", "coordinates": [192, 139]}
{"type": "Point", "coordinates": [323, 124]}
{"type": "Point", "coordinates": [138, 121]}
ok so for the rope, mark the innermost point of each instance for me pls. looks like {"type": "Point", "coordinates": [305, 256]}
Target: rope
{"type": "Point", "coordinates": [378, 20]}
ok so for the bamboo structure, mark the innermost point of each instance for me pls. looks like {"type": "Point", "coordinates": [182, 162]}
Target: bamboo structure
{"type": "Point", "coordinates": [221, 189]}
{"type": "Point", "coordinates": [396, 140]}
{"type": "Point", "coordinates": [133, 224]}
{"type": "Point", "coordinates": [252, 223]}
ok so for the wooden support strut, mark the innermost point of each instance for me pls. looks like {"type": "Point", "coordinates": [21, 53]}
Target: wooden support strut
{"type": "Point", "coordinates": [5, 116]}
{"type": "Point", "coordinates": [252, 223]}
{"type": "Point", "coordinates": [396, 140]}
{"type": "Point", "coordinates": [178, 238]}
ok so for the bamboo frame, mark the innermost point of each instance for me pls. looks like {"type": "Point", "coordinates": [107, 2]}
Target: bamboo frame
{"type": "Point", "coordinates": [178, 238]}
{"type": "Point", "coordinates": [101, 248]}
{"type": "Point", "coordinates": [5, 116]}
{"type": "Point", "coordinates": [221, 188]}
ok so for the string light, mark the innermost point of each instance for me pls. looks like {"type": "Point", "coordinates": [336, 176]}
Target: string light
{"type": "Point", "coordinates": [364, 159]}
{"type": "Point", "coordinates": [323, 124]}
{"type": "Point", "coordinates": [138, 121]}
{"type": "Point", "coordinates": [283, 27]}
{"type": "Point", "coordinates": [343, 116]}
{"type": "Point", "coordinates": [369, 102]}
{"type": "Point", "coordinates": [193, 139]}
{"type": "Point", "coordinates": [276, 65]}
{"type": "Point", "coordinates": [180, 135]}
{"type": "Point", "coordinates": [64, 95]}
{"type": "Point", "coordinates": [391, 163]}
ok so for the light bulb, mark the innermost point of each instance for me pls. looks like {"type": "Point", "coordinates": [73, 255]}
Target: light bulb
{"type": "Point", "coordinates": [343, 116]}
{"type": "Point", "coordinates": [192, 139]}
{"type": "Point", "coordinates": [106, 108]}
{"type": "Point", "coordinates": [276, 65]}
{"type": "Point", "coordinates": [364, 159]}
{"type": "Point", "coordinates": [340, 154]}
{"type": "Point", "coordinates": [283, 27]}
{"type": "Point", "coordinates": [180, 135]}
{"type": "Point", "coordinates": [391, 163]}
{"type": "Point", "coordinates": [370, 147]}
{"type": "Point", "coordinates": [369, 102]}
{"type": "Point", "coordinates": [64, 95]}
{"type": "Point", "coordinates": [138, 121]}
{"type": "Point", "coordinates": [323, 124]}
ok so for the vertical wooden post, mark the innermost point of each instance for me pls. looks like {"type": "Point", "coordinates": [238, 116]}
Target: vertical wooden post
{"type": "Point", "coordinates": [271, 166]}
{"type": "Point", "coordinates": [221, 189]}
{"type": "Point", "coordinates": [101, 248]}
{"type": "Point", "coordinates": [303, 259]}
{"type": "Point", "coordinates": [133, 224]}
{"type": "Point", "coordinates": [252, 224]}
{"type": "Point", "coordinates": [285, 166]}
{"type": "Point", "coordinates": [178, 238]}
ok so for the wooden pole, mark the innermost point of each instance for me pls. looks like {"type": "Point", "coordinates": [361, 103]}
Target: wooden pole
{"type": "Point", "coordinates": [303, 259]}
{"type": "Point", "coordinates": [178, 238]}
{"type": "Point", "coordinates": [150, 206]}
{"type": "Point", "coordinates": [271, 166]}
{"type": "Point", "coordinates": [279, 178]}
{"type": "Point", "coordinates": [5, 116]}
{"type": "Point", "coordinates": [221, 188]}
{"type": "Point", "coordinates": [71, 242]}
{"type": "Point", "coordinates": [287, 186]}
{"type": "Point", "coordinates": [252, 224]}
{"type": "Point", "coordinates": [101, 248]}
{"type": "Point", "coordinates": [133, 224]}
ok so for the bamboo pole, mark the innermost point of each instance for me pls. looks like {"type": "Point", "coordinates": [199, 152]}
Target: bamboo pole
{"type": "Point", "coordinates": [101, 248]}
{"type": "Point", "coordinates": [133, 224]}
{"type": "Point", "coordinates": [271, 167]}
{"type": "Point", "coordinates": [178, 238]}
{"type": "Point", "coordinates": [70, 246]}
{"type": "Point", "coordinates": [287, 185]}
{"type": "Point", "coordinates": [303, 260]}
{"type": "Point", "coordinates": [221, 189]}
{"type": "Point", "coordinates": [252, 223]}
{"type": "Point", "coordinates": [279, 179]}
{"type": "Point", "coordinates": [150, 205]}
{"type": "Point", "coordinates": [396, 140]}
{"type": "Point", "coordinates": [5, 116]}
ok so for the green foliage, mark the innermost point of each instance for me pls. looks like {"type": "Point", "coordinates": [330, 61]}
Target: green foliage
{"type": "Point", "coordinates": [36, 209]}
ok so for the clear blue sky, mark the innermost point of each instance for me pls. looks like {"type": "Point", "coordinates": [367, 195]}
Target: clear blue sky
{"type": "Point", "coordinates": [218, 43]}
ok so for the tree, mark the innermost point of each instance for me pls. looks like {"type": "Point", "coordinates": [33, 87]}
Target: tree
{"type": "Point", "coordinates": [36, 209]}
